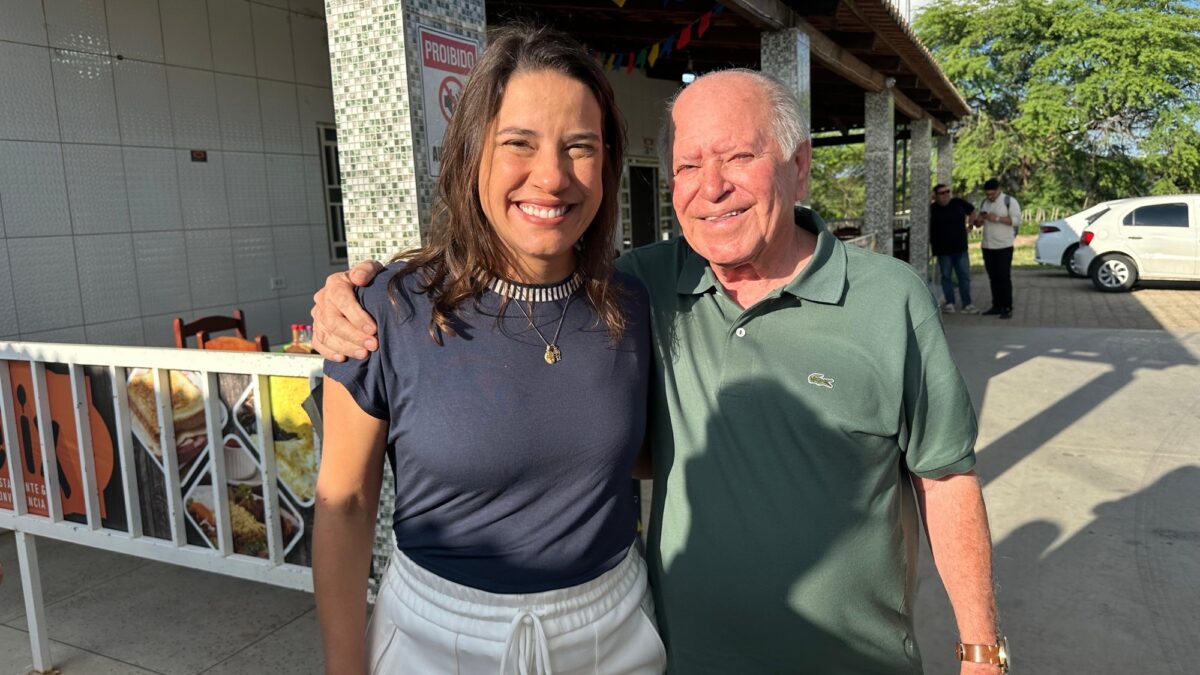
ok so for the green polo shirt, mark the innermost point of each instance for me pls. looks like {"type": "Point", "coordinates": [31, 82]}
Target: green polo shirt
{"type": "Point", "coordinates": [784, 535]}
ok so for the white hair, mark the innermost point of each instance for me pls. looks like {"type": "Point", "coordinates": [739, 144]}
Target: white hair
{"type": "Point", "coordinates": [783, 109]}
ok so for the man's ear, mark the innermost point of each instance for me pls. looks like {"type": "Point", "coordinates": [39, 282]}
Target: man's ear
{"type": "Point", "coordinates": [803, 161]}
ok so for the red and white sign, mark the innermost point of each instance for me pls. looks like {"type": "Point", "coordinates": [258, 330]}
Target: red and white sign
{"type": "Point", "coordinates": [446, 62]}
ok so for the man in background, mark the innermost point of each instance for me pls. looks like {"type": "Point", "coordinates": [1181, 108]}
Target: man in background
{"type": "Point", "coordinates": [948, 234]}
{"type": "Point", "coordinates": [1000, 217]}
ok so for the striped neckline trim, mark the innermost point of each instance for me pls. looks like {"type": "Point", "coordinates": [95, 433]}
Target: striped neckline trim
{"type": "Point", "coordinates": [532, 293]}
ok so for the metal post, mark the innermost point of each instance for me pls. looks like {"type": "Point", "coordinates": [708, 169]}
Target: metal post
{"type": "Point", "coordinates": [35, 610]}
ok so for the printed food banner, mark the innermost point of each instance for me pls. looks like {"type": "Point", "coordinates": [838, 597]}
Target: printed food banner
{"type": "Point", "coordinates": [296, 461]}
{"type": "Point", "coordinates": [296, 448]}
{"type": "Point", "coordinates": [64, 440]}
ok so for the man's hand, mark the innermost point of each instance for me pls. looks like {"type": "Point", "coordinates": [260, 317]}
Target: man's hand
{"type": "Point", "coordinates": [341, 327]}
{"type": "Point", "coordinates": [968, 668]}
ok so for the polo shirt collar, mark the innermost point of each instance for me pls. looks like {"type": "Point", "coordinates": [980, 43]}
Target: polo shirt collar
{"type": "Point", "coordinates": [822, 280]}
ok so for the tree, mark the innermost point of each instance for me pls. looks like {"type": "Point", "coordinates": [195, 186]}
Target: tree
{"type": "Point", "coordinates": [1074, 101]}
{"type": "Point", "coordinates": [838, 181]}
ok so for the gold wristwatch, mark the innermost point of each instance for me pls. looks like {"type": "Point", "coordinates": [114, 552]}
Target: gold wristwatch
{"type": "Point", "coordinates": [996, 655]}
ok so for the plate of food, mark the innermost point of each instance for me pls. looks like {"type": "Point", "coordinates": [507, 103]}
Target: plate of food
{"type": "Point", "coordinates": [187, 414]}
{"type": "Point", "coordinates": [246, 511]}
{"type": "Point", "coordinates": [297, 456]}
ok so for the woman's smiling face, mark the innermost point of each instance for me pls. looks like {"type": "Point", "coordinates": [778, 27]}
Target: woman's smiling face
{"type": "Point", "coordinates": [540, 175]}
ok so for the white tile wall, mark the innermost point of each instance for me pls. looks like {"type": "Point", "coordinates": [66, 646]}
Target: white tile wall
{"type": "Point", "coordinates": [185, 33]}
{"type": "Point", "coordinates": [210, 267]}
{"type": "Point", "coordinates": [107, 277]}
{"type": "Point", "coordinates": [96, 187]}
{"type": "Point", "coordinates": [253, 263]}
{"type": "Point", "coordinates": [134, 29]}
{"type": "Point", "coordinates": [158, 330]}
{"type": "Point", "coordinates": [241, 117]}
{"type": "Point", "coordinates": [311, 50]}
{"type": "Point", "coordinates": [262, 318]}
{"type": "Point", "coordinates": [232, 36]}
{"type": "Point", "coordinates": [202, 190]}
{"type": "Point", "coordinates": [33, 190]}
{"type": "Point", "coordinates": [27, 98]}
{"type": "Point", "coordinates": [151, 177]}
{"type": "Point", "coordinates": [316, 106]}
{"type": "Point", "coordinates": [143, 104]}
{"type": "Point", "coordinates": [108, 230]}
{"type": "Point", "coordinates": [293, 309]}
{"type": "Point", "coordinates": [162, 271]}
{"type": "Point", "coordinates": [23, 22]}
{"type": "Point", "coordinates": [281, 116]}
{"type": "Point", "coordinates": [293, 252]}
{"type": "Point", "coordinates": [87, 104]}
{"type": "Point", "coordinates": [314, 189]}
{"type": "Point", "coordinates": [77, 24]}
{"type": "Point", "coordinates": [272, 43]}
{"type": "Point", "coordinates": [285, 187]}
{"type": "Point", "coordinates": [45, 283]}
{"type": "Point", "coordinates": [309, 7]}
{"type": "Point", "coordinates": [74, 334]}
{"type": "Point", "coordinates": [246, 181]}
{"type": "Point", "coordinates": [128, 332]}
{"type": "Point", "coordinates": [193, 95]}
{"type": "Point", "coordinates": [322, 267]}
{"type": "Point", "coordinates": [8, 307]}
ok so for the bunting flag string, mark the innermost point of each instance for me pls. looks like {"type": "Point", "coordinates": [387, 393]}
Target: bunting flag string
{"type": "Point", "coordinates": [646, 57]}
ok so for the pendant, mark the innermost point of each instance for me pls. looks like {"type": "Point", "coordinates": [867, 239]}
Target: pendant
{"type": "Point", "coordinates": [553, 354]}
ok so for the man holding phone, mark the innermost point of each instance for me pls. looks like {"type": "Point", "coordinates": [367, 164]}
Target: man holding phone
{"type": "Point", "coordinates": [1000, 217]}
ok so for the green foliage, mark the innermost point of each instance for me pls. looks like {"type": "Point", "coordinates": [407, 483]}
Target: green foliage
{"type": "Point", "coordinates": [1075, 101]}
{"type": "Point", "coordinates": [838, 182]}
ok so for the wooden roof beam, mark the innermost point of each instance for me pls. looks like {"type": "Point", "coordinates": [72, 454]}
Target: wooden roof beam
{"type": "Point", "coordinates": [774, 15]}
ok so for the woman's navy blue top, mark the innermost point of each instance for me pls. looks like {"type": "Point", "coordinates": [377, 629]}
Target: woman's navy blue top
{"type": "Point", "coordinates": [512, 475]}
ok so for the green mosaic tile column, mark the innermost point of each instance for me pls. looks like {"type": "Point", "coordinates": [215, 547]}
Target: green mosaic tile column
{"type": "Point", "coordinates": [375, 57]}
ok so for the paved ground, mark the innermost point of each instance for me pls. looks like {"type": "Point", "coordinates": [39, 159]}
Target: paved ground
{"type": "Point", "coordinates": [1089, 451]}
{"type": "Point", "coordinates": [1046, 296]}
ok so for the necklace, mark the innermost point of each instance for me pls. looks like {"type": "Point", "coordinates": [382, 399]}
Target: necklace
{"type": "Point", "coordinates": [553, 354]}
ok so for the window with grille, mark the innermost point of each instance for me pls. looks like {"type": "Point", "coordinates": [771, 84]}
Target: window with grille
{"type": "Point", "coordinates": [331, 170]}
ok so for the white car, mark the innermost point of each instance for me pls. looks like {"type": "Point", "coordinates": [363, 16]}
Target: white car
{"type": "Point", "coordinates": [1142, 238]}
{"type": "Point", "coordinates": [1058, 239]}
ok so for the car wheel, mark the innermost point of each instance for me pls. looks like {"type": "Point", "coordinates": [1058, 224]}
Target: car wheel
{"type": "Point", "coordinates": [1069, 262]}
{"type": "Point", "coordinates": [1113, 273]}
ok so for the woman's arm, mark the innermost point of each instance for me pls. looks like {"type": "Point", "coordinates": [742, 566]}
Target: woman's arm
{"type": "Point", "coordinates": [344, 523]}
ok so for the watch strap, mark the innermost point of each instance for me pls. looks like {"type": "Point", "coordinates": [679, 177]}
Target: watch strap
{"type": "Point", "coordinates": [995, 654]}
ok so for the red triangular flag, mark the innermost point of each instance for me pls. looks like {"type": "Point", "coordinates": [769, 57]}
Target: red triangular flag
{"type": "Point", "coordinates": [629, 68]}
{"type": "Point", "coordinates": [703, 24]}
{"type": "Point", "coordinates": [685, 37]}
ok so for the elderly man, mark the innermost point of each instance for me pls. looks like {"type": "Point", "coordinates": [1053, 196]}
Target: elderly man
{"type": "Point", "coordinates": [804, 406]}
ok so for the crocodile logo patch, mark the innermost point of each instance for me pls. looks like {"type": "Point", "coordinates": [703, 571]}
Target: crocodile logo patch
{"type": "Point", "coordinates": [820, 380]}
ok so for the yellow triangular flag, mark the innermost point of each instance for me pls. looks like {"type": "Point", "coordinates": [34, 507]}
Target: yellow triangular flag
{"type": "Point", "coordinates": [653, 55]}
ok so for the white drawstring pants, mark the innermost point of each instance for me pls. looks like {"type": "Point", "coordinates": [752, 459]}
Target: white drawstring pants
{"type": "Point", "coordinates": [426, 625]}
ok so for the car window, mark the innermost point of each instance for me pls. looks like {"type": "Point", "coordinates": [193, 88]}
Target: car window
{"type": "Point", "coordinates": [1096, 216]}
{"type": "Point", "coordinates": [1158, 215]}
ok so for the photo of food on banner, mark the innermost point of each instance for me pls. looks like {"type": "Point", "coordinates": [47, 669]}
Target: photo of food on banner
{"type": "Point", "coordinates": [295, 448]}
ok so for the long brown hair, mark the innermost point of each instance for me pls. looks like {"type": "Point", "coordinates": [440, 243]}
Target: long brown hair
{"type": "Point", "coordinates": [463, 251]}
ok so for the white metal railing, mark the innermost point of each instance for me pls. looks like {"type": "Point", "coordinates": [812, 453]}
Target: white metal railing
{"type": "Point", "coordinates": [64, 500]}
{"type": "Point", "coordinates": [866, 241]}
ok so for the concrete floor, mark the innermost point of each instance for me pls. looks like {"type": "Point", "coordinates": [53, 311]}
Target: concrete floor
{"type": "Point", "coordinates": [1089, 452]}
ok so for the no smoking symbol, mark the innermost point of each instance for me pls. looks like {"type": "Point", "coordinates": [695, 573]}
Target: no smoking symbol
{"type": "Point", "coordinates": [448, 94]}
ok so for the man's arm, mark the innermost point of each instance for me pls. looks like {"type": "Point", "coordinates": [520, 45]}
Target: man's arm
{"type": "Point", "coordinates": [341, 327]}
{"type": "Point", "coordinates": [957, 527]}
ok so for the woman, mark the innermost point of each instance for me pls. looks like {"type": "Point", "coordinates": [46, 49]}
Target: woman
{"type": "Point", "coordinates": [508, 393]}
